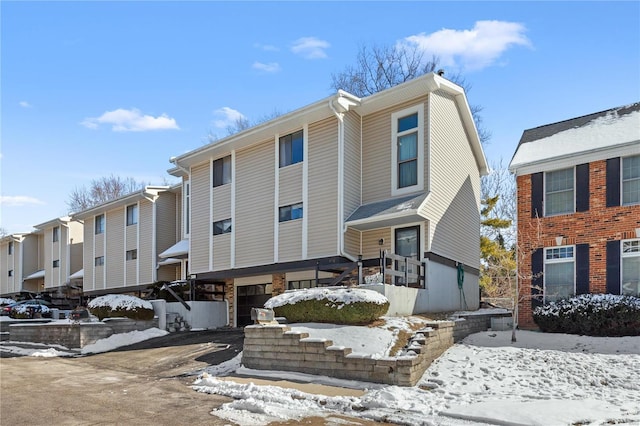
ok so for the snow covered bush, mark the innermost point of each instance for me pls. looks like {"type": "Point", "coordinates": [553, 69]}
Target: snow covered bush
{"type": "Point", "coordinates": [6, 301]}
{"type": "Point", "coordinates": [591, 315]}
{"type": "Point", "coordinates": [330, 305]}
{"type": "Point", "coordinates": [121, 305]}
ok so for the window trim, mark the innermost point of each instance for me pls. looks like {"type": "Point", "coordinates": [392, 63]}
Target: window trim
{"type": "Point", "coordinates": [131, 255]}
{"type": "Point", "coordinates": [627, 255]}
{"type": "Point", "coordinates": [216, 165]}
{"type": "Point", "coordinates": [98, 261]}
{"type": "Point", "coordinates": [10, 248]}
{"type": "Point", "coordinates": [419, 186]}
{"type": "Point", "coordinates": [55, 263]}
{"type": "Point", "coordinates": [285, 162]}
{"type": "Point", "coordinates": [186, 207]}
{"type": "Point", "coordinates": [96, 230]}
{"type": "Point", "coordinates": [622, 181]}
{"type": "Point", "coordinates": [134, 217]}
{"type": "Point", "coordinates": [224, 230]}
{"type": "Point", "coordinates": [55, 234]}
{"type": "Point", "coordinates": [546, 261]}
{"type": "Point", "coordinates": [544, 192]}
{"type": "Point", "coordinates": [290, 217]}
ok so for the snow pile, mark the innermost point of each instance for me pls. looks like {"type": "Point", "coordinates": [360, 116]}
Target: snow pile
{"type": "Point", "coordinates": [122, 339]}
{"type": "Point", "coordinates": [340, 296]}
{"type": "Point", "coordinates": [119, 301]}
{"type": "Point", "coordinates": [597, 302]}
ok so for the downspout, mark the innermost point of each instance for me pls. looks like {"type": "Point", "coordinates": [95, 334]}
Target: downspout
{"type": "Point", "coordinates": [341, 230]}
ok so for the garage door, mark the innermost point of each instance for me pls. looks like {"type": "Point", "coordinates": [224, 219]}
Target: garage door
{"type": "Point", "coordinates": [250, 296]}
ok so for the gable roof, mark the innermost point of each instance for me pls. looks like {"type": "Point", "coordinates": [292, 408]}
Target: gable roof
{"type": "Point", "coordinates": [615, 128]}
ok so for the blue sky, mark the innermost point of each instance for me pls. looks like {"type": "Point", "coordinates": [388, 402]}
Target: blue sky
{"type": "Point", "coordinates": [90, 89]}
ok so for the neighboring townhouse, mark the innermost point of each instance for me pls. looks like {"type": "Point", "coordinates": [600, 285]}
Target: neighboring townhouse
{"type": "Point", "coordinates": [297, 201]}
{"type": "Point", "coordinates": [21, 264]}
{"type": "Point", "coordinates": [61, 249]}
{"type": "Point", "coordinates": [123, 238]}
{"type": "Point", "coordinates": [578, 185]}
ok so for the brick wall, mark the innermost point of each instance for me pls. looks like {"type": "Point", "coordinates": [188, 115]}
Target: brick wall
{"type": "Point", "coordinates": [594, 227]}
{"type": "Point", "coordinates": [230, 293]}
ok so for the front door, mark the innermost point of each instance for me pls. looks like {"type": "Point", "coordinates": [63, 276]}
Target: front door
{"type": "Point", "coordinates": [407, 244]}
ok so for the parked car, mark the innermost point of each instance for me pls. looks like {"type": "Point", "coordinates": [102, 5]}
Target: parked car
{"type": "Point", "coordinates": [29, 309]}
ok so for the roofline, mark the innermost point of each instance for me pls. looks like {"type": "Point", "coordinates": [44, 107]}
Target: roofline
{"type": "Point", "coordinates": [150, 192]}
{"type": "Point", "coordinates": [57, 221]}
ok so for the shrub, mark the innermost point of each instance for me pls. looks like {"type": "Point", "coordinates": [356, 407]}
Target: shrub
{"type": "Point", "coordinates": [121, 305]}
{"type": "Point", "coordinates": [330, 305]}
{"type": "Point", "coordinates": [591, 315]}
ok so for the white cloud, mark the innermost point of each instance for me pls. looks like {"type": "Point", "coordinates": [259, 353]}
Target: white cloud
{"type": "Point", "coordinates": [472, 49]}
{"type": "Point", "coordinates": [131, 120]}
{"type": "Point", "coordinates": [19, 200]}
{"type": "Point", "coordinates": [25, 104]}
{"type": "Point", "coordinates": [270, 67]}
{"type": "Point", "coordinates": [310, 48]}
{"type": "Point", "coordinates": [226, 116]}
{"type": "Point", "coordinates": [266, 47]}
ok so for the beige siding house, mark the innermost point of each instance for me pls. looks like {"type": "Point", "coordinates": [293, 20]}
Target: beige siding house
{"type": "Point", "coordinates": [123, 240]}
{"type": "Point", "coordinates": [21, 264]}
{"type": "Point", "coordinates": [296, 201]}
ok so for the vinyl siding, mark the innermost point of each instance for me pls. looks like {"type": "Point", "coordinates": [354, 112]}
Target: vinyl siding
{"type": "Point", "coordinates": [76, 235]}
{"type": "Point", "coordinates": [146, 258]}
{"type": "Point", "coordinates": [221, 252]}
{"type": "Point", "coordinates": [178, 216]}
{"type": "Point", "coordinates": [290, 241]}
{"type": "Point", "coordinates": [322, 211]}
{"type": "Point", "coordinates": [166, 232]}
{"type": "Point", "coordinates": [352, 163]}
{"type": "Point", "coordinates": [352, 242]}
{"type": "Point", "coordinates": [114, 259]}
{"type": "Point", "coordinates": [88, 255]}
{"type": "Point", "coordinates": [221, 202]}
{"type": "Point", "coordinates": [169, 273]}
{"type": "Point", "coordinates": [200, 218]}
{"type": "Point", "coordinates": [454, 206]}
{"type": "Point", "coordinates": [255, 184]}
{"type": "Point", "coordinates": [290, 190]}
{"type": "Point", "coordinates": [48, 258]}
{"type": "Point", "coordinates": [370, 246]}
{"type": "Point", "coordinates": [6, 265]}
{"type": "Point", "coordinates": [376, 152]}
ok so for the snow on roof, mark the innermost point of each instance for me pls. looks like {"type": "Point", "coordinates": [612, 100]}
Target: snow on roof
{"type": "Point", "coordinates": [119, 301]}
{"type": "Point", "coordinates": [341, 295]}
{"type": "Point", "coordinates": [596, 132]}
{"type": "Point", "coordinates": [77, 275]}
{"type": "Point", "coordinates": [35, 275]}
{"type": "Point", "coordinates": [180, 248]}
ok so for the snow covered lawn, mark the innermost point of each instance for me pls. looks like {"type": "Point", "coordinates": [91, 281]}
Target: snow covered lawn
{"type": "Point", "coordinates": [543, 379]}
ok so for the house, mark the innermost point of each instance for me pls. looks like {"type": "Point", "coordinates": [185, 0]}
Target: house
{"type": "Point", "coordinates": [21, 264]}
{"type": "Point", "coordinates": [123, 238]}
{"type": "Point", "coordinates": [316, 195]}
{"type": "Point", "coordinates": [578, 186]}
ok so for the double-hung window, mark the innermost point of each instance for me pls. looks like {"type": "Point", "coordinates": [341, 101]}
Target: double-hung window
{"type": "Point", "coordinates": [291, 148]}
{"type": "Point", "coordinates": [222, 171]}
{"type": "Point", "coordinates": [222, 227]}
{"type": "Point", "coordinates": [631, 267]}
{"type": "Point", "coordinates": [132, 214]}
{"type": "Point", "coordinates": [559, 192]}
{"type": "Point", "coordinates": [99, 261]}
{"type": "Point", "coordinates": [56, 263]}
{"type": "Point", "coordinates": [99, 225]}
{"type": "Point", "coordinates": [559, 273]}
{"type": "Point", "coordinates": [132, 254]}
{"type": "Point", "coordinates": [407, 150]}
{"type": "Point", "coordinates": [631, 180]}
{"type": "Point", "coordinates": [291, 212]}
{"type": "Point", "coordinates": [56, 234]}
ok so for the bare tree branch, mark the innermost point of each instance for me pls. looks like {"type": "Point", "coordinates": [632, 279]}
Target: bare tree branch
{"type": "Point", "coordinates": [101, 190]}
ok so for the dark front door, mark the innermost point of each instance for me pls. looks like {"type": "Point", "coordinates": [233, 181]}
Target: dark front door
{"type": "Point", "coordinates": [250, 296]}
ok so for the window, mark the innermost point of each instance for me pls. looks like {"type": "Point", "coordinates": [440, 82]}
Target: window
{"type": "Point", "coordinates": [56, 263]}
{"type": "Point", "coordinates": [187, 201]}
{"type": "Point", "coordinates": [407, 150]}
{"type": "Point", "coordinates": [99, 261]}
{"type": "Point", "coordinates": [10, 248]}
{"type": "Point", "coordinates": [558, 194]}
{"type": "Point", "coordinates": [291, 149]}
{"type": "Point", "coordinates": [10, 272]}
{"type": "Point", "coordinates": [559, 273]}
{"type": "Point", "coordinates": [631, 268]}
{"type": "Point", "coordinates": [296, 285]}
{"type": "Point", "coordinates": [132, 214]}
{"type": "Point", "coordinates": [132, 254]}
{"type": "Point", "coordinates": [631, 180]}
{"type": "Point", "coordinates": [99, 225]}
{"type": "Point", "coordinates": [222, 227]}
{"type": "Point", "coordinates": [222, 171]}
{"type": "Point", "coordinates": [407, 244]}
{"type": "Point", "coordinates": [291, 212]}
{"type": "Point", "coordinates": [56, 234]}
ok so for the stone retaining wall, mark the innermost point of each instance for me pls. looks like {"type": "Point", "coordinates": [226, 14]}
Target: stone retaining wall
{"type": "Point", "coordinates": [466, 324]}
{"type": "Point", "coordinates": [276, 347]}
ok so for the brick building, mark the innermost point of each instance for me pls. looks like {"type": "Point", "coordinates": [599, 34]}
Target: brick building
{"type": "Point", "coordinates": [578, 186]}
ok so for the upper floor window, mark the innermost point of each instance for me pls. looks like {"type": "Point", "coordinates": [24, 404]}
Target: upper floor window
{"type": "Point", "coordinates": [99, 225]}
{"type": "Point", "coordinates": [559, 273]}
{"type": "Point", "coordinates": [132, 254]}
{"type": "Point", "coordinates": [10, 272]}
{"type": "Point", "coordinates": [407, 150]}
{"type": "Point", "coordinates": [291, 212]}
{"type": "Point", "coordinates": [132, 214]}
{"type": "Point", "coordinates": [558, 195]}
{"type": "Point", "coordinates": [222, 227]}
{"type": "Point", "coordinates": [56, 234]}
{"type": "Point", "coordinates": [631, 180]}
{"type": "Point", "coordinates": [99, 261]}
{"type": "Point", "coordinates": [56, 263]}
{"type": "Point", "coordinates": [631, 267]}
{"type": "Point", "coordinates": [10, 248]}
{"type": "Point", "coordinates": [291, 149]}
{"type": "Point", "coordinates": [222, 171]}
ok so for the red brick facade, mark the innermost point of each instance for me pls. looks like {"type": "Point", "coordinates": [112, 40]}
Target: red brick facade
{"type": "Point", "coordinates": [595, 227]}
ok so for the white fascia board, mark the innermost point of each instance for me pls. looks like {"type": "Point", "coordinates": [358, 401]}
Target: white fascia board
{"type": "Point", "coordinates": [381, 218]}
{"type": "Point", "coordinates": [64, 221]}
{"type": "Point", "coordinates": [118, 202]}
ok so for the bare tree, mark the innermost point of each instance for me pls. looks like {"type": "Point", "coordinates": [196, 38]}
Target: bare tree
{"type": "Point", "coordinates": [3, 232]}
{"type": "Point", "coordinates": [379, 67]}
{"type": "Point", "coordinates": [243, 123]}
{"type": "Point", "coordinates": [100, 191]}
{"type": "Point", "coordinates": [500, 182]}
